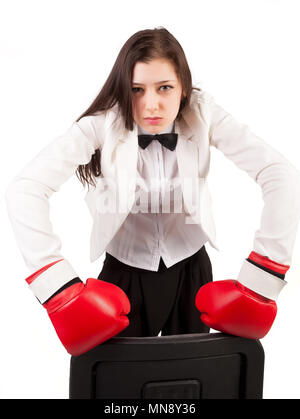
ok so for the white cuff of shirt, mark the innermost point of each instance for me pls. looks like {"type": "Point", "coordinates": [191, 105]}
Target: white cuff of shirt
{"type": "Point", "coordinates": [260, 281]}
{"type": "Point", "coordinates": [52, 279]}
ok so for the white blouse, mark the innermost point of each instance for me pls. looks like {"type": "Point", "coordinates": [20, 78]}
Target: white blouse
{"type": "Point", "coordinates": [155, 227]}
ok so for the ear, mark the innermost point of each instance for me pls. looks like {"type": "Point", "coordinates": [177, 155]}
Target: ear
{"type": "Point", "coordinates": [183, 97]}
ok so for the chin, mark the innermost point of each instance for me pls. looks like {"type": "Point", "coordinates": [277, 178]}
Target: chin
{"type": "Point", "coordinates": [155, 129]}
{"type": "Point", "coordinates": [151, 129]}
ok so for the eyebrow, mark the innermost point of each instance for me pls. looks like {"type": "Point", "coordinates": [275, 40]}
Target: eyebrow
{"type": "Point", "coordinates": [159, 82]}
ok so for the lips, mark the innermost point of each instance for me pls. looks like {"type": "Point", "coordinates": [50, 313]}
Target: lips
{"type": "Point", "coordinates": [153, 121]}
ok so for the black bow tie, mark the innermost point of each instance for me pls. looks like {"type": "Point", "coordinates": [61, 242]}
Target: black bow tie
{"type": "Point", "coordinates": [168, 140]}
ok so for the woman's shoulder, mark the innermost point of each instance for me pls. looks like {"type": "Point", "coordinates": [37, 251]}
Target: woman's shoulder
{"type": "Point", "coordinates": [93, 126]}
{"type": "Point", "coordinates": [97, 119]}
{"type": "Point", "coordinates": [103, 123]}
{"type": "Point", "coordinates": [201, 96]}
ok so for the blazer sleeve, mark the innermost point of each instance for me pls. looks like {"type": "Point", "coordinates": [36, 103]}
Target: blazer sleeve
{"type": "Point", "coordinates": [278, 179]}
{"type": "Point", "coordinates": [27, 199]}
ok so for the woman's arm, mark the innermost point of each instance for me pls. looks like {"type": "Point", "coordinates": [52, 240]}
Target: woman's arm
{"type": "Point", "coordinates": [247, 307]}
{"type": "Point", "coordinates": [278, 179]}
{"type": "Point", "coordinates": [27, 198]}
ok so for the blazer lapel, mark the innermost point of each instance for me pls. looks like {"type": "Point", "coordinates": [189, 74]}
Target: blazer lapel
{"type": "Point", "coordinates": [188, 167]}
{"type": "Point", "coordinates": [126, 168]}
{"type": "Point", "coordinates": [186, 151]}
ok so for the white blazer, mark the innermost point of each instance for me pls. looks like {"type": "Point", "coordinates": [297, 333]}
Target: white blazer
{"type": "Point", "coordinates": [203, 124]}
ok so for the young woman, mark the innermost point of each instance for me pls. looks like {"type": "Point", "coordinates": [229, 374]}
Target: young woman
{"type": "Point", "coordinates": [143, 149]}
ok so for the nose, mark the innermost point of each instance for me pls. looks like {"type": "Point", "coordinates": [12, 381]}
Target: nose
{"type": "Point", "coordinates": [151, 102]}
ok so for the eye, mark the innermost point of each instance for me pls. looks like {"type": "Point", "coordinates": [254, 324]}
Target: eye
{"type": "Point", "coordinates": [136, 89]}
{"type": "Point", "coordinates": [169, 87]}
{"type": "Point", "coordinates": [163, 88]}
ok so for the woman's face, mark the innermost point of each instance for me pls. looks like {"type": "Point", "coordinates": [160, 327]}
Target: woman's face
{"type": "Point", "coordinates": [156, 92]}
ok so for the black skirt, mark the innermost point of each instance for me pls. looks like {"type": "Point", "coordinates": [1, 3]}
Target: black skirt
{"type": "Point", "coordinates": [164, 300]}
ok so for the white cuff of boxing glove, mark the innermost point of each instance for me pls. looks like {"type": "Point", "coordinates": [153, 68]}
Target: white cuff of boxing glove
{"type": "Point", "coordinates": [52, 279]}
{"type": "Point", "coordinates": [260, 281]}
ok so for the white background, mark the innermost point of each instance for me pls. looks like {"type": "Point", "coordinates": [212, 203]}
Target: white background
{"type": "Point", "coordinates": [55, 56]}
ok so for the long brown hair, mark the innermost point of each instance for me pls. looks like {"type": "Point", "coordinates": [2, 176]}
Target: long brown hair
{"type": "Point", "coordinates": [143, 46]}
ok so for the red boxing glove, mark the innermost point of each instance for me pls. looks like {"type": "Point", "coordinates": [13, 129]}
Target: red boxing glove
{"type": "Point", "coordinates": [85, 315]}
{"type": "Point", "coordinates": [232, 307]}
